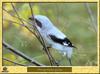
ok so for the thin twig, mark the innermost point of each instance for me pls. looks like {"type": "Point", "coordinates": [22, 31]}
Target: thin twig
{"type": "Point", "coordinates": [91, 16]}
{"type": "Point", "coordinates": [19, 17]}
{"type": "Point", "coordinates": [17, 13]}
{"type": "Point", "coordinates": [22, 24]}
{"type": "Point", "coordinates": [6, 45]}
{"type": "Point", "coordinates": [31, 10]}
{"type": "Point", "coordinates": [12, 21]}
{"type": "Point", "coordinates": [13, 62]}
{"type": "Point", "coordinates": [52, 60]}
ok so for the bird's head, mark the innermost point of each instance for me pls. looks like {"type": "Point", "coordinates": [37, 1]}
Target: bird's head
{"type": "Point", "coordinates": [38, 23]}
{"type": "Point", "coordinates": [42, 21]}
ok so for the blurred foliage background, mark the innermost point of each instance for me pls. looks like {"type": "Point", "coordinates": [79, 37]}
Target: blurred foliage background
{"type": "Point", "coordinates": [71, 18]}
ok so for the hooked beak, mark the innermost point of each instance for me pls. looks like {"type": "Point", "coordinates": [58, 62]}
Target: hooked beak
{"type": "Point", "coordinates": [74, 46]}
{"type": "Point", "coordinates": [30, 18]}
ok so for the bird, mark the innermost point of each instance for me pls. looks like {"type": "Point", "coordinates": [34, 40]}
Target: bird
{"type": "Point", "coordinates": [53, 37]}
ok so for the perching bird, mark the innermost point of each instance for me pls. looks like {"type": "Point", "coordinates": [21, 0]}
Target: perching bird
{"type": "Point", "coordinates": [53, 37]}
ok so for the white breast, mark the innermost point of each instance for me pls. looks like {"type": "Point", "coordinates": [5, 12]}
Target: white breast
{"type": "Point", "coordinates": [49, 29]}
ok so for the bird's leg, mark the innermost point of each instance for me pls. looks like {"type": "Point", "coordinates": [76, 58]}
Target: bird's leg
{"type": "Point", "coordinates": [70, 61]}
{"type": "Point", "coordinates": [53, 60]}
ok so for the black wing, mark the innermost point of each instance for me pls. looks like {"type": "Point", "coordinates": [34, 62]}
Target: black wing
{"type": "Point", "coordinates": [61, 41]}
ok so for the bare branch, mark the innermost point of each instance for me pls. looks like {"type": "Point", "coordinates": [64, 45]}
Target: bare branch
{"type": "Point", "coordinates": [23, 24]}
{"type": "Point", "coordinates": [31, 10]}
{"type": "Point", "coordinates": [17, 13]}
{"type": "Point", "coordinates": [11, 21]}
{"type": "Point", "coordinates": [13, 62]}
{"type": "Point", "coordinates": [6, 45]}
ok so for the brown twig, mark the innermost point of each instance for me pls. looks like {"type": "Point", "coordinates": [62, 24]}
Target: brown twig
{"type": "Point", "coordinates": [22, 24]}
{"type": "Point", "coordinates": [13, 62]}
{"type": "Point", "coordinates": [7, 46]}
{"type": "Point", "coordinates": [12, 21]}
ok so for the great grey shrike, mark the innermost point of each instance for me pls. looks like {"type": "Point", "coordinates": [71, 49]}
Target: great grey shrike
{"type": "Point", "coordinates": [53, 37]}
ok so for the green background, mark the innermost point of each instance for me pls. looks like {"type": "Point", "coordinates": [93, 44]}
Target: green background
{"type": "Point", "coordinates": [71, 18]}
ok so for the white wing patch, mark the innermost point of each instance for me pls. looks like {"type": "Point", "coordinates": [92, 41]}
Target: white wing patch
{"type": "Point", "coordinates": [64, 43]}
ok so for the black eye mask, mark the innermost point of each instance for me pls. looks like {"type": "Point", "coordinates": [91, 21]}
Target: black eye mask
{"type": "Point", "coordinates": [37, 22]}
